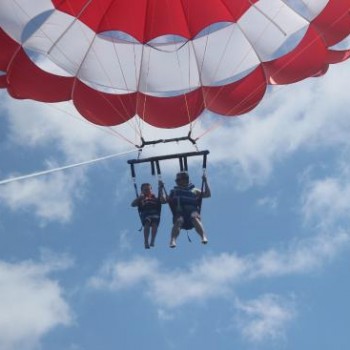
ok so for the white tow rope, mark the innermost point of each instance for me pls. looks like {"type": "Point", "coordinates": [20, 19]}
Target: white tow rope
{"type": "Point", "coordinates": [49, 171]}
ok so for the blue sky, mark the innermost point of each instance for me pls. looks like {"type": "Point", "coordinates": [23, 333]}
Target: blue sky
{"type": "Point", "coordinates": [275, 275]}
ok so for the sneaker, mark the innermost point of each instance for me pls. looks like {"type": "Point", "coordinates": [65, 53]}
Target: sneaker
{"type": "Point", "coordinates": [146, 246]}
{"type": "Point", "coordinates": [204, 240]}
{"type": "Point", "coordinates": [172, 243]}
{"type": "Point", "coordinates": [152, 244]}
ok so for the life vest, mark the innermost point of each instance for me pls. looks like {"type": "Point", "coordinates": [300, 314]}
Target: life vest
{"type": "Point", "coordinates": [150, 208]}
{"type": "Point", "coordinates": [184, 200]}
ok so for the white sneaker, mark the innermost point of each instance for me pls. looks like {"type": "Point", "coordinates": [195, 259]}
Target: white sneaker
{"type": "Point", "coordinates": [172, 243]}
{"type": "Point", "coordinates": [204, 240]}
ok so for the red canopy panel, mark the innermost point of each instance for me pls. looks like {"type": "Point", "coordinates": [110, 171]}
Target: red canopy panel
{"type": "Point", "coordinates": [338, 56]}
{"type": "Point", "coordinates": [3, 83]}
{"type": "Point", "coordinates": [333, 23]}
{"type": "Point", "coordinates": [8, 49]}
{"type": "Point", "coordinates": [101, 108]}
{"type": "Point", "coordinates": [148, 19]}
{"type": "Point", "coordinates": [306, 60]}
{"type": "Point", "coordinates": [26, 80]}
{"type": "Point", "coordinates": [170, 112]}
{"type": "Point", "coordinates": [238, 97]}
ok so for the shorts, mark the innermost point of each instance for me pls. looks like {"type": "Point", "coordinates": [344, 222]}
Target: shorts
{"type": "Point", "coordinates": [151, 220]}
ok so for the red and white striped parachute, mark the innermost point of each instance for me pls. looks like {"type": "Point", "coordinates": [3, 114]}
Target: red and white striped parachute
{"type": "Point", "coordinates": [165, 60]}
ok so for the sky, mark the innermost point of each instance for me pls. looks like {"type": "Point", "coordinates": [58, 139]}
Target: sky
{"type": "Point", "coordinates": [74, 273]}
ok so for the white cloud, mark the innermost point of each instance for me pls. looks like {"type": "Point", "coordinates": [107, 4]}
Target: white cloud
{"type": "Point", "coordinates": [265, 318]}
{"type": "Point", "coordinates": [327, 200]}
{"type": "Point", "coordinates": [217, 276]}
{"type": "Point", "coordinates": [269, 202]}
{"type": "Point", "coordinates": [50, 198]}
{"type": "Point", "coordinates": [31, 303]}
{"type": "Point", "coordinates": [33, 124]}
{"type": "Point", "coordinates": [300, 257]}
{"type": "Point", "coordinates": [121, 275]}
{"type": "Point", "coordinates": [308, 115]}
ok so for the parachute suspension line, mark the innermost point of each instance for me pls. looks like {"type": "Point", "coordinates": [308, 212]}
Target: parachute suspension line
{"type": "Point", "coordinates": [137, 81]}
{"type": "Point", "coordinates": [184, 94]}
{"type": "Point", "coordinates": [246, 55]}
{"type": "Point", "coordinates": [134, 125]}
{"type": "Point", "coordinates": [217, 124]}
{"type": "Point", "coordinates": [299, 14]}
{"type": "Point", "coordinates": [88, 2]}
{"type": "Point", "coordinates": [90, 48]}
{"type": "Point", "coordinates": [142, 116]}
{"type": "Point", "coordinates": [290, 60]}
{"type": "Point", "coordinates": [43, 32]}
{"type": "Point", "coordinates": [147, 78]}
{"type": "Point", "coordinates": [222, 55]}
{"type": "Point", "coordinates": [200, 65]}
{"type": "Point", "coordinates": [177, 49]}
{"type": "Point", "coordinates": [110, 130]}
{"type": "Point", "coordinates": [66, 112]}
{"type": "Point", "coordinates": [143, 113]}
{"type": "Point", "coordinates": [237, 66]}
{"type": "Point", "coordinates": [54, 44]}
{"type": "Point", "coordinates": [50, 171]}
{"type": "Point", "coordinates": [268, 17]}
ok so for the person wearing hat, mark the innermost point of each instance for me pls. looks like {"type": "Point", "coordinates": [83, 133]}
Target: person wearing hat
{"type": "Point", "coordinates": [184, 200]}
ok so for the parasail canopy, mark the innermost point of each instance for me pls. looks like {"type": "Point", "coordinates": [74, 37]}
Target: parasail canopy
{"type": "Point", "coordinates": [165, 60]}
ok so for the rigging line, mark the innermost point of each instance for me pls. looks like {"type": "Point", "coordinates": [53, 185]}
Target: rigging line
{"type": "Point", "coordinates": [198, 64]}
{"type": "Point", "coordinates": [63, 53]}
{"type": "Point", "coordinates": [177, 49]}
{"type": "Point", "coordinates": [49, 171]}
{"type": "Point", "coordinates": [134, 123]}
{"type": "Point", "coordinates": [104, 129]}
{"type": "Point", "coordinates": [217, 124]}
{"type": "Point", "coordinates": [91, 49]}
{"type": "Point", "coordinates": [88, 2]}
{"type": "Point", "coordinates": [142, 117]}
{"type": "Point", "coordinates": [288, 62]}
{"type": "Point", "coordinates": [268, 17]}
{"type": "Point", "coordinates": [295, 11]}
{"type": "Point", "coordinates": [146, 28]}
{"type": "Point", "coordinates": [189, 79]}
{"type": "Point", "coordinates": [251, 45]}
{"type": "Point", "coordinates": [251, 48]}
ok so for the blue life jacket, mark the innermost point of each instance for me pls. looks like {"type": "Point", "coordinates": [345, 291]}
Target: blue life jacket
{"type": "Point", "coordinates": [184, 200]}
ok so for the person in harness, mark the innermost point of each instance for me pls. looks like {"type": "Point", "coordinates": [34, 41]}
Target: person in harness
{"type": "Point", "coordinates": [149, 207]}
{"type": "Point", "coordinates": [185, 203]}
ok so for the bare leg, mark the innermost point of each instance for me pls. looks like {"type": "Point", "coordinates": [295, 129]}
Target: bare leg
{"type": "Point", "coordinates": [199, 228]}
{"type": "Point", "coordinates": [146, 229]}
{"type": "Point", "coordinates": [153, 233]}
{"type": "Point", "coordinates": [176, 231]}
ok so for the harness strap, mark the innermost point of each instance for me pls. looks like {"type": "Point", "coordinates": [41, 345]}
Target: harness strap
{"type": "Point", "coordinates": [204, 167]}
